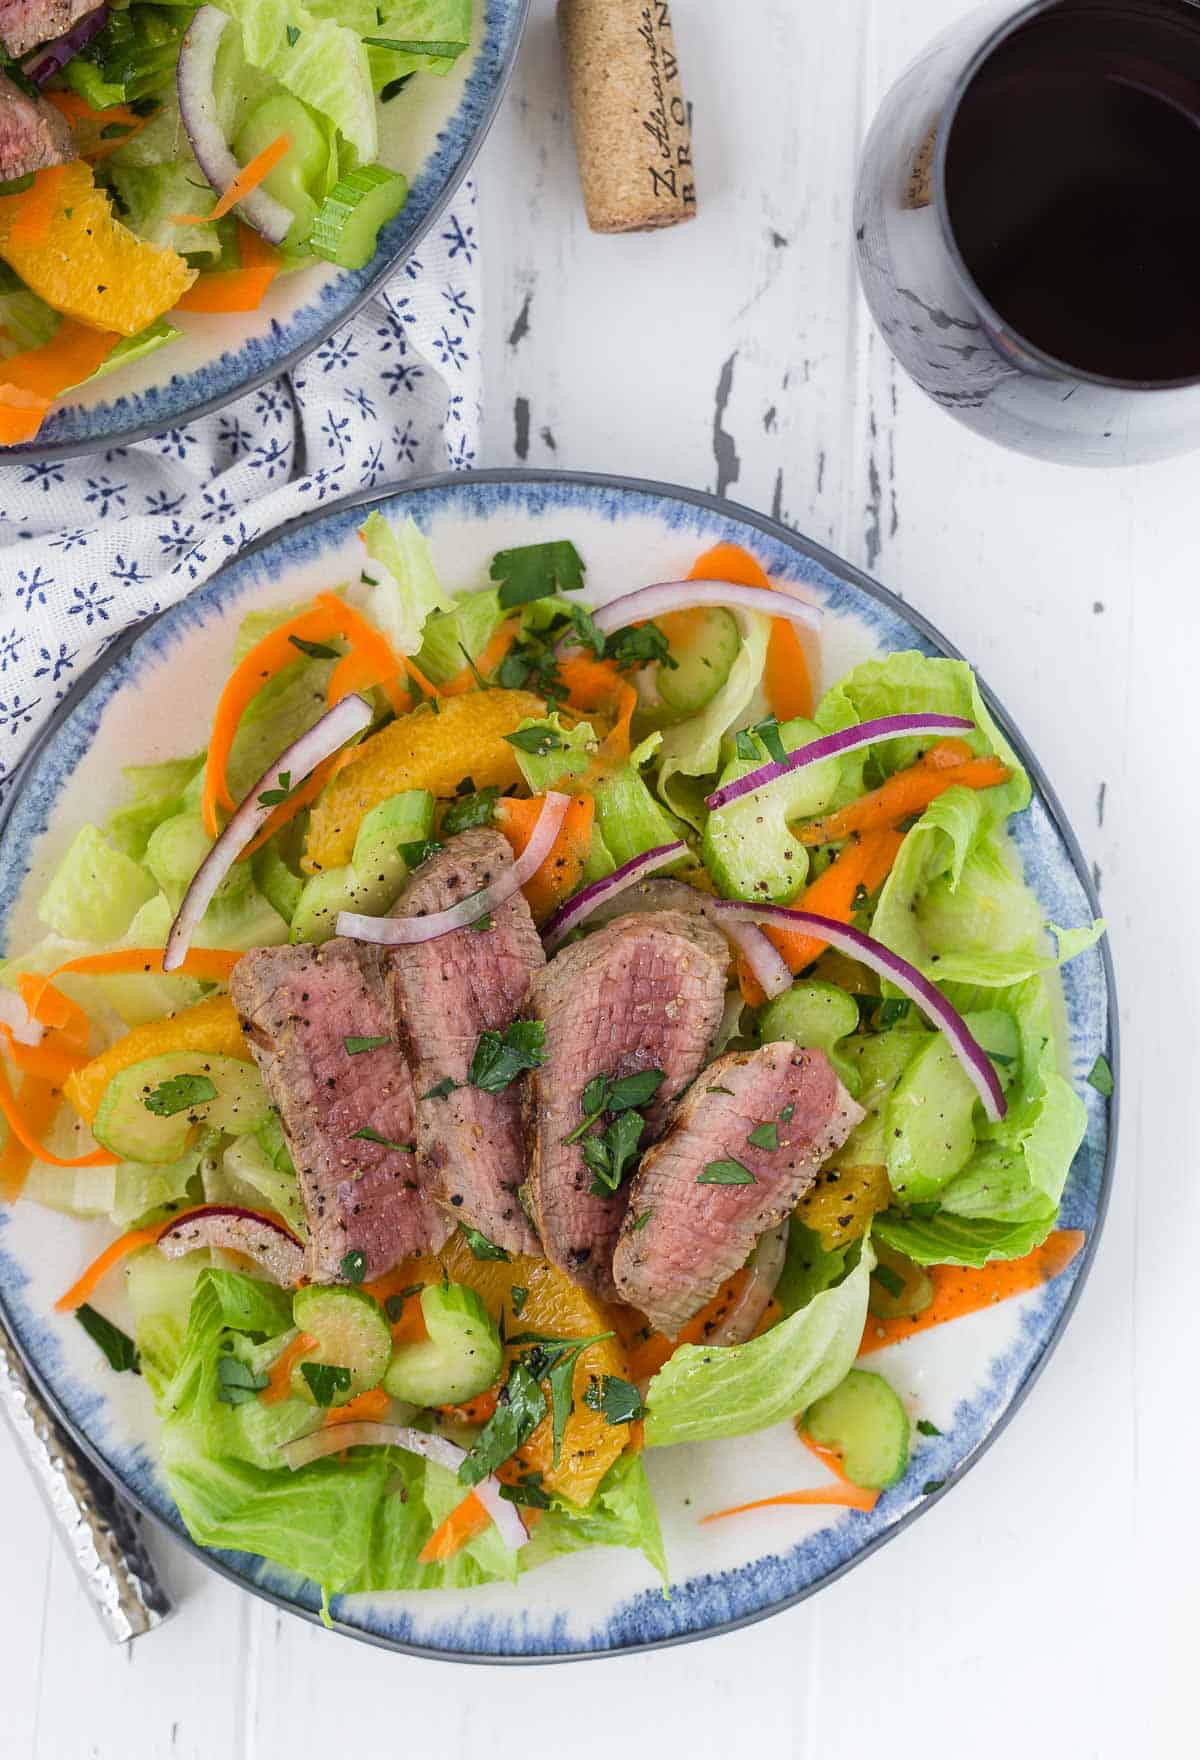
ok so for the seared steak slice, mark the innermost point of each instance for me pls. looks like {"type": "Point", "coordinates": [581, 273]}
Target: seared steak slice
{"type": "Point", "coordinates": [33, 134]}
{"type": "Point", "coordinates": [644, 992]}
{"type": "Point", "coordinates": [696, 1235]}
{"type": "Point", "coordinates": [444, 994]}
{"type": "Point", "coordinates": [298, 1006]}
{"type": "Point", "coordinates": [26, 23]}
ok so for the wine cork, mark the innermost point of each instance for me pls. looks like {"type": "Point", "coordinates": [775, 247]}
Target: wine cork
{"type": "Point", "coordinates": [632, 135]}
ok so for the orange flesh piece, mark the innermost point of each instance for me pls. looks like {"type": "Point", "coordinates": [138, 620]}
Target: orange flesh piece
{"type": "Point", "coordinates": [561, 873]}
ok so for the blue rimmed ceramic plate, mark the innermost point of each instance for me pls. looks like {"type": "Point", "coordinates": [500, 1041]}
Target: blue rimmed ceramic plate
{"type": "Point", "coordinates": [431, 134]}
{"type": "Point", "coordinates": [967, 1378]}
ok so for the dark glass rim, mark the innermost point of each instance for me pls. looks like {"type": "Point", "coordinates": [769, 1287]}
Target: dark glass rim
{"type": "Point", "coordinates": [1053, 363]}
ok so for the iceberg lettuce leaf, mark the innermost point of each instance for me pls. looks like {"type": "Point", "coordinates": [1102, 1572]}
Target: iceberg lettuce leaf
{"type": "Point", "coordinates": [692, 748]}
{"type": "Point", "coordinates": [405, 590]}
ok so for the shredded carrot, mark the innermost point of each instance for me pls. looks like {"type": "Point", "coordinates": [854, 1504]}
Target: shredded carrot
{"type": "Point", "coordinates": [92, 143]}
{"type": "Point", "coordinates": [648, 1350]}
{"type": "Point", "coordinates": [279, 1376]}
{"type": "Point", "coordinates": [211, 964]}
{"type": "Point", "coordinates": [460, 1527]}
{"type": "Point", "coordinates": [72, 355]}
{"type": "Point", "coordinates": [112, 1255]}
{"type": "Point", "coordinates": [25, 1132]}
{"type": "Point", "coordinates": [786, 680]}
{"type": "Point", "coordinates": [299, 798]}
{"type": "Point", "coordinates": [53, 1009]}
{"type": "Point", "coordinates": [477, 1410]}
{"type": "Point", "coordinates": [47, 1060]}
{"type": "Point", "coordinates": [371, 661]}
{"type": "Point", "coordinates": [370, 1407]}
{"type": "Point", "coordinates": [907, 792]}
{"type": "Point", "coordinates": [960, 1289]}
{"type": "Point", "coordinates": [562, 871]}
{"type": "Point", "coordinates": [21, 414]}
{"type": "Point", "coordinates": [616, 741]}
{"type": "Point", "coordinates": [247, 180]}
{"type": "Point", "coordinates": [38, 206]}
{"type": "Point", "coordinates": [862, 866]}
{"type": "Point", "coordinates": [946, 754]}
{"type": "Point", "coordinates": [590, 683]}
{"type": "Point", "coordinates": [500, 641]}
{"type": "Point", "coordinates": [40, 1101]}
{"type": "Point", "coordinates": [235, 290]}
{"type": "Point", "coordinates": [844, 1493]}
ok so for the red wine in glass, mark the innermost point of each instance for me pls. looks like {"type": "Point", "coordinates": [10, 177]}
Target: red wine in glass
{"type": "Point", "coordinates": [1028, 226]}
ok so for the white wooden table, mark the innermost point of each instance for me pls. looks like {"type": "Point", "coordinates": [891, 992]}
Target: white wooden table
{"type": "Point", "coordinates": [1048, 1606]}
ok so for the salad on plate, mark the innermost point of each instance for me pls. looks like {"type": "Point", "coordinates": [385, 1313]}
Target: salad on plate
{"type": "Point", "coordinates": [167, 158]}
{"type": "Point", "coordinates": [531, 1035]}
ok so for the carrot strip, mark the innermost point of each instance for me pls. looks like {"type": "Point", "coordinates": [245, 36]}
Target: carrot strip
{"type": "Point", "coordinates": [616, 741]}
{"type": "Point", "coordinates": [464, 1522]}
{"type": "Point", "coordinates": [907, 792]}
{"type": "Point", "coordinates": [372, 660]}
{"type": "Point", "coordinates": [26, 1133]}
{"type": "Point", "coordinates": [960, 1289]}
{"type": "Point", "coordinates": [590, 683]}
{"type": "Point", "coordinates": [46, 1060]}
{"type": "Point", "coordinates": [77, 109]}
{"type": "Point", "coordinates": [247, 179]}
{"type": "Point", "coordinates": [112, 1255]}
{"type": "Point", "coordinates": [477, 1410]}
{"type": "Point", "coordinates": [786, 680]}
{"type": "Point", "coordinates": [235, 290]}
{"type": "Point", "coordinates": [297, 800]}
{"type": "Point", "coordinates": [39, 205]}
{"type": "Point", "coordinates": [370, 1407]}
{"type": "Point", "coordinates": [500, 641]}
{"type": "Point", "coordinates": [279, 1376]}
{"type": "Point", "coordinates": [211, 964]}
{"type": "Point", "coordinates": [21, 414]}
{"type": "Point", "coordinates": [40, 1101]}
{"type": "Point", "coordinates": [72, 355]}
{"type": "Point", "coordinates": [845, 1496]}
{"type": "Point", "coordinates": [562, 871]}
{"type": "Point", "coordinates": [53, 1009]}
{"type": "Point", "coordinates": [862, 866]}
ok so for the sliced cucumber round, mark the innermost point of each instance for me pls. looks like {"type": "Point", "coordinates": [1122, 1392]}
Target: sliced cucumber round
{"type": "Point", "coordinates": [865, 1422]}
{"type": "Point", "coordinates": [347, 225]}
{"type": "Point", "coordinates": [352, 1333]}
{"type": "Point", "coordinates": [704, 645]}
{"type": "Point", "coordinates": [461, 1357]}
{"type": "Point", "coordinates": [148, 1111]}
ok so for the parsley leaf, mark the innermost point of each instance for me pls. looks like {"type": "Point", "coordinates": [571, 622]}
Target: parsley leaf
{"type": "Point", "coordinates": [471, 809]}
{"type": "Point", "coordinates": [481, 1247]}
{"type": "Point", "coordinates": [528, 1491]}
{"type": "Point", "coordinates": [273, 797]}
{"type": "Point", "coordinates": [612, 1151]}
{"type": "Point", "coordinates": [889, 1279]}
{"type": "Point", "coordinates": [413, 854]}
{"type": "Point", "coordinates": [314, 650]}
{"type": "Point", "coordinates": [519, 1410]}
{"type": "Point", "coordinates": [561, 1381]}
{"type": "Point", "coordinates": [356, 1045]}
{"type": "Point", "coordinates": [394, 1306]}
{"type": "Point", "coordinates": [368, 1134]}
{"type": "Point", "coordinates": [764, 1136]}
{"type": "Point", "coordinates": [178, 1094]}
{"type": "Point", "coordinates": [117, 1346]}
{"type": "Point", "coordinates": [718, 1090]}
{"type": "Point", "coordinates": [892, 1010]}
{"type": "Point", "coordinates": [536, 571]}
{"type": "Point", "coordinates": [354, 1265]}
{"type": "Point", "coordinates": [325, 1381]}
{"type": "Point", "coordinates": [1100, 1076]}
{"type": "Point", "coordinates": [293, 37]}
{"type": "Point", "coordinates": [236, 1381]}
{"type": "Point", "coordinates": [517, 1298]}
{"type": "Point", "coordinates": [930, 1486]}
{"type": "Point", "coordinates": [540, 740]}
{"type": "Point", "coordinates": [440, 1090]}
{"type": "Point", "coordinates": [634, 1090]}
{"type": "Point", "coordinates": [499, 1058]}
{"type": "Point", "coordinates": [641, 1221]}
{"type": "Point", "coordinates": [644, 645]}
{"type": "Point", "coordinates": [584, 625]}
{"type": "Point", "coordinates": [619, 1401]}
{"type": "Point", "coordinates": [927, 1427]}
{"type": "Point", "coordinates": [788, 1113]}
{"type": "Point", "coordinates": [725, 1173]}
{"type": "Point", "coordinates": [480, 681]}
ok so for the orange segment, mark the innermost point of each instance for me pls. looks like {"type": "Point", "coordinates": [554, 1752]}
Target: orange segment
{"type": "Point", "coordinates": [554, 1306]}
{"type": "Point", "coordinates": [841, 1203]}
{"type": "Point", "coordinates": [211, 1026]}
{"type": "Point", "coordinates": [86, 265]}
{"type": "Point", "coordinates": [421, 750]}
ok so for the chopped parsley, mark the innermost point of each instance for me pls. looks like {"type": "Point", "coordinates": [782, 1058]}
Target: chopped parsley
{"type": "Point", "coordinates": [368, 1134]}
{"type": "Point", "coordinates": [927, 1427]}
{"type": "Point", "coordinates": [440, 1090]}
{"type": "Point", "coordinates": [314, 650]}
{"type": "Point", "coordinates": [788, 1112]}
{"type": "Point", "coordinates": [118, 1347]}
{"type": "Point", "coordinates": [930, 1486]}
{"type": "Point", "coordinates": [892, 1010]}
{"type": "Point", "coordinates": [765, 735]}
{"type": "Point", "coordinates": [356, 1045]}
{"type": "Point", "coordinates": [889, 1279]}
{"type": "Point", "coordinates": [554, 1360]}
{"type": "Point", "coordinates": [725, 1173]}
{"type": "Point", "coordinates": [520, 1408]}
{"type": "Point", "coordinates": [325, 1381]}
{"type": "Point", "coordinates": [1100, 1076]}
{"type": "Point", "coordinates": [354, 1265]}
{"type": "Point", "coordinates": [535, 571]}
{"type": "Point", "coordinates": [293, 37]}
{"type": "Point", "coordinates": [274, 797]}
{"type": "Point", "coordinates": [764, 1136]}
{"type": "Point", "coordinates": [481, 1247]}
{"type": "Point", "coordinates": [391, 90]}
{"type": "Point", "coordinates": [540, 740]}
{"type": "Point", "coordinates": [499, 1058]}
{"type": "Point", "coordinates": [413, 854]}
{"type": "Point", "coordinates": [394, 1306]}
{"type": "Point", "coordinates": [611, 1153]}
{"type": "Point", "coordinates": [472, 808]}
{"type": "Point", "coordinates": [480, 680]}
{"type": "Point", "coordinates": [618, 1401]}
{"type": "Point", "coordinates": [718, 1090]}
{"type": "Point", "coordinates": [179, 1094]}
{"type": "Point", "coordinates": [641, 1221]}
{"type": "Point", "coordinates": [527, 1490]}
{"type": "Point", "coordinates": [517, 1298]}
{"type": "Point", "coordinates": [237, 1382]}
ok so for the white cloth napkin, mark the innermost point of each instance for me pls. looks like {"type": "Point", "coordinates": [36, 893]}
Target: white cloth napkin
{"type": "Point", "coordinates": [91, 545]}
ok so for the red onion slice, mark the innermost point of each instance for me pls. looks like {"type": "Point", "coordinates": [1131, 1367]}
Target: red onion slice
{"type": "Point", "coordinates": [51, 57]}
{"type": "Point", "coordinates": [301, 758]}
{"type": "Point", "coordinates": [665, 596]}
{"type": "Point", "coordinates": [897, 971]}
{"type": "Point", "coordinates": [759, 952]}
{"type": "Point", "coordinates": [766, 1268]}
{"type": "Point", "coordinates": [331, 1439]}
{"type": "Point", "coordinates": [577, 910]}
{"type": "Point", "coordinates": [835, 745]}
{"type": "Point", "coordinates": [198, 107]}
{"type": "Point", "coordinates": [408, 931]}
{"type": "Point", "coordinates": [239, 1231]}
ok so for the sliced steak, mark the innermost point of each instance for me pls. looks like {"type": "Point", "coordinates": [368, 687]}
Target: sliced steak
{"type": "Point", "coordinates": [298, 1006]}
{"type": "Point", "coordinates": [33, 134]}
{"type": "Point", "coordinates": [644, 992]}
{"type": "Point", "coordinates": [444, 994]}
{"type": "Point", "coordinates": [26, 23]}
{"type": "Point", "coordinates": [696, 1235]}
